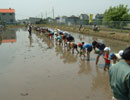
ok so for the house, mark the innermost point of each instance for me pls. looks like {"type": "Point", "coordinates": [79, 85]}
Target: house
{"type": "Point", "coordinates": [49, 20]}
{"type": "Point", "coordinates": [7, 16]}
{"type": "Point", "coordinates": [73, 20]}
{"type": "Point", "coordinates": [98, 19]}
{"type": "Point", "coordinates": [61, 20]}
{"type": "Point", "coordinates": [99, 16]}
{"type": "Point", "coordinates": [34, 20]}
{"type": "Point", "coordinates": [23, 21]}
{"type": "Point", "coordinates": [57, 20]}
{"type": "Point", "coordinates": [84, 17]}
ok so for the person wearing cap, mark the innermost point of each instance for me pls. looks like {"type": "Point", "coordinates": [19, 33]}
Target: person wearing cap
{"type": "Point", "coordinates": [100, 47]}
{"type": "Point", "coordinates": [106, 58]}
{"type": "Point", "coordinates": [119, 77]}
{"type": "Point", "coordinates": [80, 45]}
{"type": "Point", "coordinates": [113, 57]}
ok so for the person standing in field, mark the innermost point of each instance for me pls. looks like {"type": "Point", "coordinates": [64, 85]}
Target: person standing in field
{"type": "Point", "coordinates": [30, 30]}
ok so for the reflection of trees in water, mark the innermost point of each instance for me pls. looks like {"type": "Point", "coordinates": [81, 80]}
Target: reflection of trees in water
{"type": "Point", "coordinates": [65, 55]}
{"type": "Point", "coordinates": [101, 81]}
{"type": "Point", "coordinates": [85, 67]}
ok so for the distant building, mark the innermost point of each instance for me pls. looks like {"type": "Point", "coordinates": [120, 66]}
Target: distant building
{"type": "Point", "coordinates": [49, 20]}
{"type": "Point", "coordinates": [99, 16]}
{"type": "Point", "coordinates": [98, 19]}
{"type": "Point", "coordinates": [23, 21]}
{"type": "Point", "coordinates": [61, 20]}
{"type": "Point", "coordinates": [34, 20]}
{"type": "Point", "coordinates": [7, 16]}
{"type": "Point", "coordinates": [57, 20]}
{"type": "Point", "coordinates": [84, 17]}
{"type": "Point", "coordinates": [73, 20]}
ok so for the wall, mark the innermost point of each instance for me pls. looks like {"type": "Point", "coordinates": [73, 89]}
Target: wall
{"type": "Point", "coordinates": [7, 17]}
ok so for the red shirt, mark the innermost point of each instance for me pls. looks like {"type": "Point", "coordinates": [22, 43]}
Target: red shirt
{"type": "Point", "coordinates": [106, 60]}
{"type": "Point", "coordinates": [80, 44]}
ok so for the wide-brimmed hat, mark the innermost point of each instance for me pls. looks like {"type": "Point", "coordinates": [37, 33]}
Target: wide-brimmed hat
{"type": "Point", "coordinates": [121, 52]}
{"type": "Point", "coordinates": [107, 49]}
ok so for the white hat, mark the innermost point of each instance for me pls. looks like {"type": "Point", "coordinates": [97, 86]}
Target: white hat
{"type": "Point", "coordinates": [107, 49]}
{"type": "Point", "coordinates": [118, 56]}
{"type": "Point", "coordinates": [120, 52]}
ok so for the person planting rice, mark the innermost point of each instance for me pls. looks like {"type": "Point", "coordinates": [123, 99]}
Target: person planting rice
{"type": "Point", "coordinates": [70, 38]}
{"type": "Point", "coordinates": [116, 57]}
{"type": "Point", "coordinates": [73, 46]}
{"type": "Point", "coordinates": [100, 47]}
{"type": "Point", "coordinates": [80, 45]}
{"type": "Point", "coordinates": [106, 58]}
{"type": "Point", "coordinates": [87, 47]}
{"type": "Point", "coordinates": [60, 39]}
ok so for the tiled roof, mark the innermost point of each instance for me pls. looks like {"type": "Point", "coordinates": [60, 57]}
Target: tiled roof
{"type": "Point", "coordinates": [7, 10]}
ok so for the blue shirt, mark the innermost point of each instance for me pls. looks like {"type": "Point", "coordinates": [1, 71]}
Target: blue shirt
{"type": "Point", "coordinates": [59, 37]}
{"type": "Point", "coordinates": [87, 45]}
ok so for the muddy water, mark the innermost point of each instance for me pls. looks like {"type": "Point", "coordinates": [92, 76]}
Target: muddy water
{"type": "Point", "coordinates": [37, 69]}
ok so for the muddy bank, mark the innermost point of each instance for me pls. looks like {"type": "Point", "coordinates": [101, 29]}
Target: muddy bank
{"type": "Point", "coordinates": [112, 34]}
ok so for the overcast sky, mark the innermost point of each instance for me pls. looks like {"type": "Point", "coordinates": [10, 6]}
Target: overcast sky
{"type": "Point", "coordinates": [38, 8]}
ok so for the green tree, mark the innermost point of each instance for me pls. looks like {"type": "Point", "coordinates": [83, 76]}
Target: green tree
{"type": "Point", "coordinates": [116, 17]}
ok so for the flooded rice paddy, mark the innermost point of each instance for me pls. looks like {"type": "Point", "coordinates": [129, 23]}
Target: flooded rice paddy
{"type": "Point", "coordinates": [37, 69]}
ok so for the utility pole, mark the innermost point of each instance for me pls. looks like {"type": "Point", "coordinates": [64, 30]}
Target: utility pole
{"type": "Point", "coordinates": [41, 15]}
{"type": "Point", "coordinates": [53, 13]}
{"type": "Point", "coordinates": [46, 14]}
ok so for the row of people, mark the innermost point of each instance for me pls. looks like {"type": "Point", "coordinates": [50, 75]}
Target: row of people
{"type": "Point", "coordinates": [68, 41]}
{"type": "Point", "coordinates": [119, 72]}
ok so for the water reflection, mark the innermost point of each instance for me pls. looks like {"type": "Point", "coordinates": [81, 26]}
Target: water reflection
{"type": "Point", "coordinates": [65, 55]}
{"type": "Point", "coordinates": [8, 36]}
{"type": "Point", "coordinates": [30, 41]}
{"type": "Point", "coordinates": [84, 66]}
{"type": "Point", "coordinates": [50, 43]}
{"type": "Point", "coordinates": [100, 81]}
